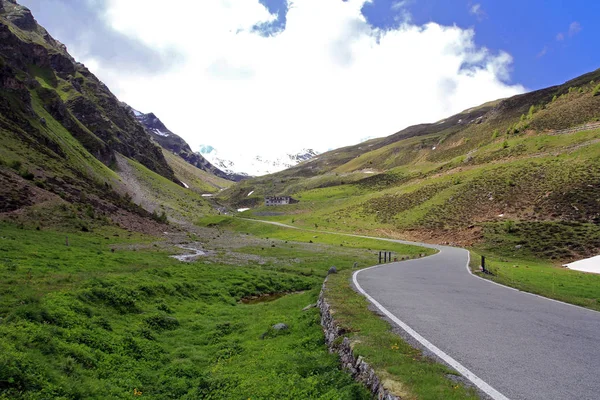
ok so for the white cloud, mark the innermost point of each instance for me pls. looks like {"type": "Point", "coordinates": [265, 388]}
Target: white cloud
{"type": "Point", "coordinates": [327, 80]}
{"type": "Point", "coordinates": [574, 28]}
{"type": "Point", "coordinates": [478, 11]}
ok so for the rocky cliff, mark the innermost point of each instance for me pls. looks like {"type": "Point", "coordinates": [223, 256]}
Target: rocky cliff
{"type": "Point", "coordinates": [34, 65]}
{"type": "Point", "coordinates": [174, 143]}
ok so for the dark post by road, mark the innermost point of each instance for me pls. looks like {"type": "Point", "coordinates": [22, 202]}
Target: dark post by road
{"type": "Point", "coordinates": [483, 264]}
{"type": "Point", "coordinates": [387, 256]}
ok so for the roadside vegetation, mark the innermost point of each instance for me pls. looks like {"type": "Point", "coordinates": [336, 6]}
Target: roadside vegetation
{"type": "Point", "coordinates": [403, 369]}
{"type": "Point", "coordinates": [540, 277]}
{"type": "Point", "coordinates": [109, 314]}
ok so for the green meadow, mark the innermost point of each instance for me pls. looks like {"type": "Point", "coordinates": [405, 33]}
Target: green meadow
{"type": "Point", "coordinates": [109, 314]}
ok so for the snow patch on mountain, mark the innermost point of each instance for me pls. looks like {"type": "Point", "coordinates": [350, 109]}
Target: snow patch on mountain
{"type": "Point", "coordinates": [160, 133]}
{"type": "Point", "coordinates": [254, 165]}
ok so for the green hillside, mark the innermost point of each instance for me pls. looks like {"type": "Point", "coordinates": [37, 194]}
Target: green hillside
{"type": "Point", "coordinates": [525, 167]}
{"type": "Point", "coordinates": [67, 143]}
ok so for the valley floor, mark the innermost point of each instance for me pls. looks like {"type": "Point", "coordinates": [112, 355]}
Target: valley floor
{"type": "Point", "coordinates": [110, 314]}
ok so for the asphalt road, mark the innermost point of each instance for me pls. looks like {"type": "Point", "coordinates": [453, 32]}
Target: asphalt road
{"type": "Point", "coordinates": [523, 346]}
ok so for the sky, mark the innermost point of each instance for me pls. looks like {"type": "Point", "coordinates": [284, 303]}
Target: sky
{"type": "Point", "coordinates": [264, 77]}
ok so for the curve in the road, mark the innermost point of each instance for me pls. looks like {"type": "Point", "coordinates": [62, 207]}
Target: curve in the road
{"type": "Point", "coordinates": [482, 385]}
{"type": "Point", "coordinates": [510, 344]}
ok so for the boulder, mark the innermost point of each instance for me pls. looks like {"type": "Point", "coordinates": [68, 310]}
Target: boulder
{"type": "Point", "coordinates": [280, 327]}
{"type": "Point", "coordinates": [332, 270]}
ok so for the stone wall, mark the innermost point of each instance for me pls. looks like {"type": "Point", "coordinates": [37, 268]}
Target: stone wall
{"type": "Point", "coordinates": [358, 368]}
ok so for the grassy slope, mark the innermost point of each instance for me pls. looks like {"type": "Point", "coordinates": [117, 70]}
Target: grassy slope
{"type": "Point", "coordinates": [540, 277]}
{"type": "Point", "coordinates": [505, 185]}
{"type": "Point", "coordinates": [85, 321]}
{"type": "Point", "coordinates": [470, 178]}
{"type": "Point", "coordinates": [162, 195]}
{"type": "Point", "coordinates": [198, 180]}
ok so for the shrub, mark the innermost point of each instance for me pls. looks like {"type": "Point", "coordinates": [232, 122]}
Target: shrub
{"type": "Point", "coordinates": [509, 226]}
{"type": "Point", "coordinates": [162, 322]}
{"type": "Point", "coordinates": [162, 218]}
{"type": "Point", "coordinates": [119, 298]}
{"type": "Point", "coordinates": [495, 134]}
{"type": "Point", "coordinates": [596, 91]}
{"type": "Point", "coordinates": [16, 165]}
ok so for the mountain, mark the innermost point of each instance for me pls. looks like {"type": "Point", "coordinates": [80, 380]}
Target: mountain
{"type": "Point", "coordinates": [70, 151]}
{"type": "Point", "coordinates": [171, 142]}
{"type": "Point", "coordinates": [254, 165]}
{"type": "Point", "coordinates": [517, 175]}
{"type": "Point", "coordinates": [34, 66]}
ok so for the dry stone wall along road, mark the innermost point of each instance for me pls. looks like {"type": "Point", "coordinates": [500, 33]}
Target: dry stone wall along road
{"type": "Point", "coordinates": [511, 344]}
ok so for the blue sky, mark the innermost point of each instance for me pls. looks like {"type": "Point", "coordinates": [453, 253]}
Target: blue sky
{"type": "Point", "coordinates": [551, 41]}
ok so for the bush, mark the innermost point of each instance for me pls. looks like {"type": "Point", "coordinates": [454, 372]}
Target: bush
{"type": "Point", "coordinates": [509, 226]}
{"type": "Point", "coordinates": [16, 165]}
{"type": "Point", "coordinates": [596, 91]}
{"type": "Point", "coordinates": [162, 218]}
{"type": "Point", "coordinates": [162, 322]}
{"type": "Point", "coordinates": [119, 298]}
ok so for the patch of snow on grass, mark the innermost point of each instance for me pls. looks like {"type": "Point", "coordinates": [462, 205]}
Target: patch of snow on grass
{"type": "Point", "coordinates": [587, 265]}
{"type": "Point", "coordinates": [250, 194]}
{"type": "Point", "coordinates": [242, 209]}
{"type": "Point", "coordinates": [207, 195]}
{"type": "Point", "coordinates": [185, 185]}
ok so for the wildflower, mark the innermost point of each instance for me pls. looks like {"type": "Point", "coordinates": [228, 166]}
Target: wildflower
{"type": "Point", "coordinates": [137, 392]}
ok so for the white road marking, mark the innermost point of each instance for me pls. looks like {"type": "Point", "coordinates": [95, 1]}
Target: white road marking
{"type": "Point", "coordinates": [485, 387]}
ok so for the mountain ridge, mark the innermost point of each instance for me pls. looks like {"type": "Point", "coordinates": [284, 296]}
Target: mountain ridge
{"type": "Point", "coordinates": [520, 172]}
{"type": "Point", "coordinates": [256, 165]}
{"type": "Point", "coordinates": [176, 144]}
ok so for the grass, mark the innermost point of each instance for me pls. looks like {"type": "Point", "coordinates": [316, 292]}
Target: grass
{"type": "Point", "coordinates": [174, 199]}
{"type": "Point", "coordinates": [404, 369]}
{"type": "Point", "coordinates": [545, 187]}
{"type": "Point", "coordinates": [268, 231]}
{"type": "Point", "coordinates": [399, 365]}
{"type": "Point", "coordinates": [541, 277]}
{"type": "Point", "coordinates": [85, 322]}
{"type": "Point", "coordinates": [198, 180]}
{"type": "Point", "coordinates": [111, 314]}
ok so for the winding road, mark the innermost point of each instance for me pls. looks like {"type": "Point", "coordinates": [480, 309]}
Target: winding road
{"type": "Point", "coordinates": [510, 344]}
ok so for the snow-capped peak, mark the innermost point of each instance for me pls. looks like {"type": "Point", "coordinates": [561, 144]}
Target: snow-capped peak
{"type": "Point", "coordinates": [255, 165]}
